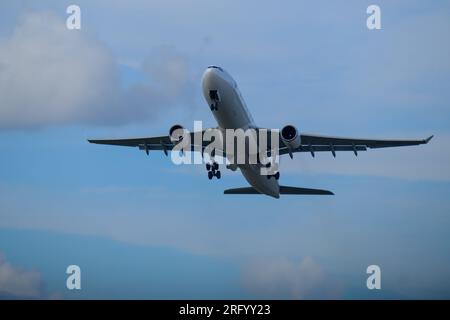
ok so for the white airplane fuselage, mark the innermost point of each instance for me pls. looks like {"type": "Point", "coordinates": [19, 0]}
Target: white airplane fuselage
{"type": "Point", "coordinates": [230, 112]}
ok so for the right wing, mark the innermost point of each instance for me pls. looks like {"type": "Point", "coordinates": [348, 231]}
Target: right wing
{"type": "Point", "coordinates": [313, 143]}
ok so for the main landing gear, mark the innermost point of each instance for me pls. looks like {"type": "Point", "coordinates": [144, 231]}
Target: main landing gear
{"type": "Point", "coordinates": [213, 170]}
{"type": "Point", "coordinates": [276, 176]}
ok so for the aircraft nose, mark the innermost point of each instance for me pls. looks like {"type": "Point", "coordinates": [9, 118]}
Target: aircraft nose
{"type": "Point", "coordinates": [211, 77]}
{"type": "Point", "coordinates": [211, 82]}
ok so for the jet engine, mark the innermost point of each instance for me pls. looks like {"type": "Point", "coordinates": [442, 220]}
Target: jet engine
{"type": "Point", "coordinates": [176, 133]}
{"type": "Point", "coordinates": [290, 137]}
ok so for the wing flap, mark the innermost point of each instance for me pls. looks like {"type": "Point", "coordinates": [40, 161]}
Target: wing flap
{"type": "Point", "coordinates": [285, 150]}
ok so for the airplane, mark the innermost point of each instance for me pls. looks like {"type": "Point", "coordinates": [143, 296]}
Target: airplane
{"type": "Point", "coordinates": [229, 109]}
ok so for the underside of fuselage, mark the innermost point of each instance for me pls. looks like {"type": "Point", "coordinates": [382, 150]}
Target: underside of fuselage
{"type": "Point", "coordinates": [263, 184]}
{"type": "Point", "coordinates": [230, 111]}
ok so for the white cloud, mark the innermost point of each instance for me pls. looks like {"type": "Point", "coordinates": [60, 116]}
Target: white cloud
{"type": "Point", "coordinates": [284, 278]}
{"type": "Point", "coordinates": [15, 282]}
{"type": "Point", "coordinates": [50, 75]}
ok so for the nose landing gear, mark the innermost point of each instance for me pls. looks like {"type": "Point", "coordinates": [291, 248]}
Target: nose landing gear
{"type": "Point", "coordinates": [213, 106]}
{"type": "Point", "coordinates": [214, 96]}
{"type": "Point", "coordinates": [213, 170]}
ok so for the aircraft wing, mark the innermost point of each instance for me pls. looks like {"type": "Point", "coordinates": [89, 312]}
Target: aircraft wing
{"type": "Point", "coordinates": [135, 142]}
{"type": "Point", "coordinates": [316, 143]}
{"type": "Point", "coordinates": [163, 143]}
{"type": "Point", "coordinates": [309, 143]}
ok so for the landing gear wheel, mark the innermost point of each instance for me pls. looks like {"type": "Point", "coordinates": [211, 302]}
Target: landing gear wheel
{"type": "Point", "coordinates": [213, 170]}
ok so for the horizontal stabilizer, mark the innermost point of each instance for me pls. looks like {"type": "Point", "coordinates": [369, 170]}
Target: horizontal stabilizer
{"type": "Point", "coordinates": [283, 190]}
{"type": "Point", "coordinates": [294, 190]}
{"type": "Point", "coordinates": [247, 190]}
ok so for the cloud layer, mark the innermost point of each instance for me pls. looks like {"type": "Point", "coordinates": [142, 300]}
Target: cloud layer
{"type": "Point", "coordinates": [18, 283]}
{"type": "Point", "coordinates": [52, 76]}
{"type": "Point", "coordinates": [288, 279]}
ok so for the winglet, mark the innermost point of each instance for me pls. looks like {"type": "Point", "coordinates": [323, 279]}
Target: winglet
{"type": "Point", "coordinates": [428, 139]}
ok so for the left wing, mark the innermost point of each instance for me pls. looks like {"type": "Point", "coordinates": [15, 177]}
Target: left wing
{"type": "Point", "coordinates": [135, 142]}
{"type": "Point", "coordinates": [316, 143]}
{"type": "Point", "coordinates": [163, 143]}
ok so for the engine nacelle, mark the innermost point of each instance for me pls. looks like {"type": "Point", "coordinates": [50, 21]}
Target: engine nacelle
{"type": "Point", "coordinates": [176, 133]}
{"type": "Point", "coordinates": [290, 137]}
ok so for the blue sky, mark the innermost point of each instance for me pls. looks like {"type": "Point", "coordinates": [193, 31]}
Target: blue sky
{"type": "Point", "coordinates": [141, 227]}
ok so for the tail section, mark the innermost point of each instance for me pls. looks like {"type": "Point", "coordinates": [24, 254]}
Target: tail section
{"type": "Point", "coordinates": [283, 190]}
